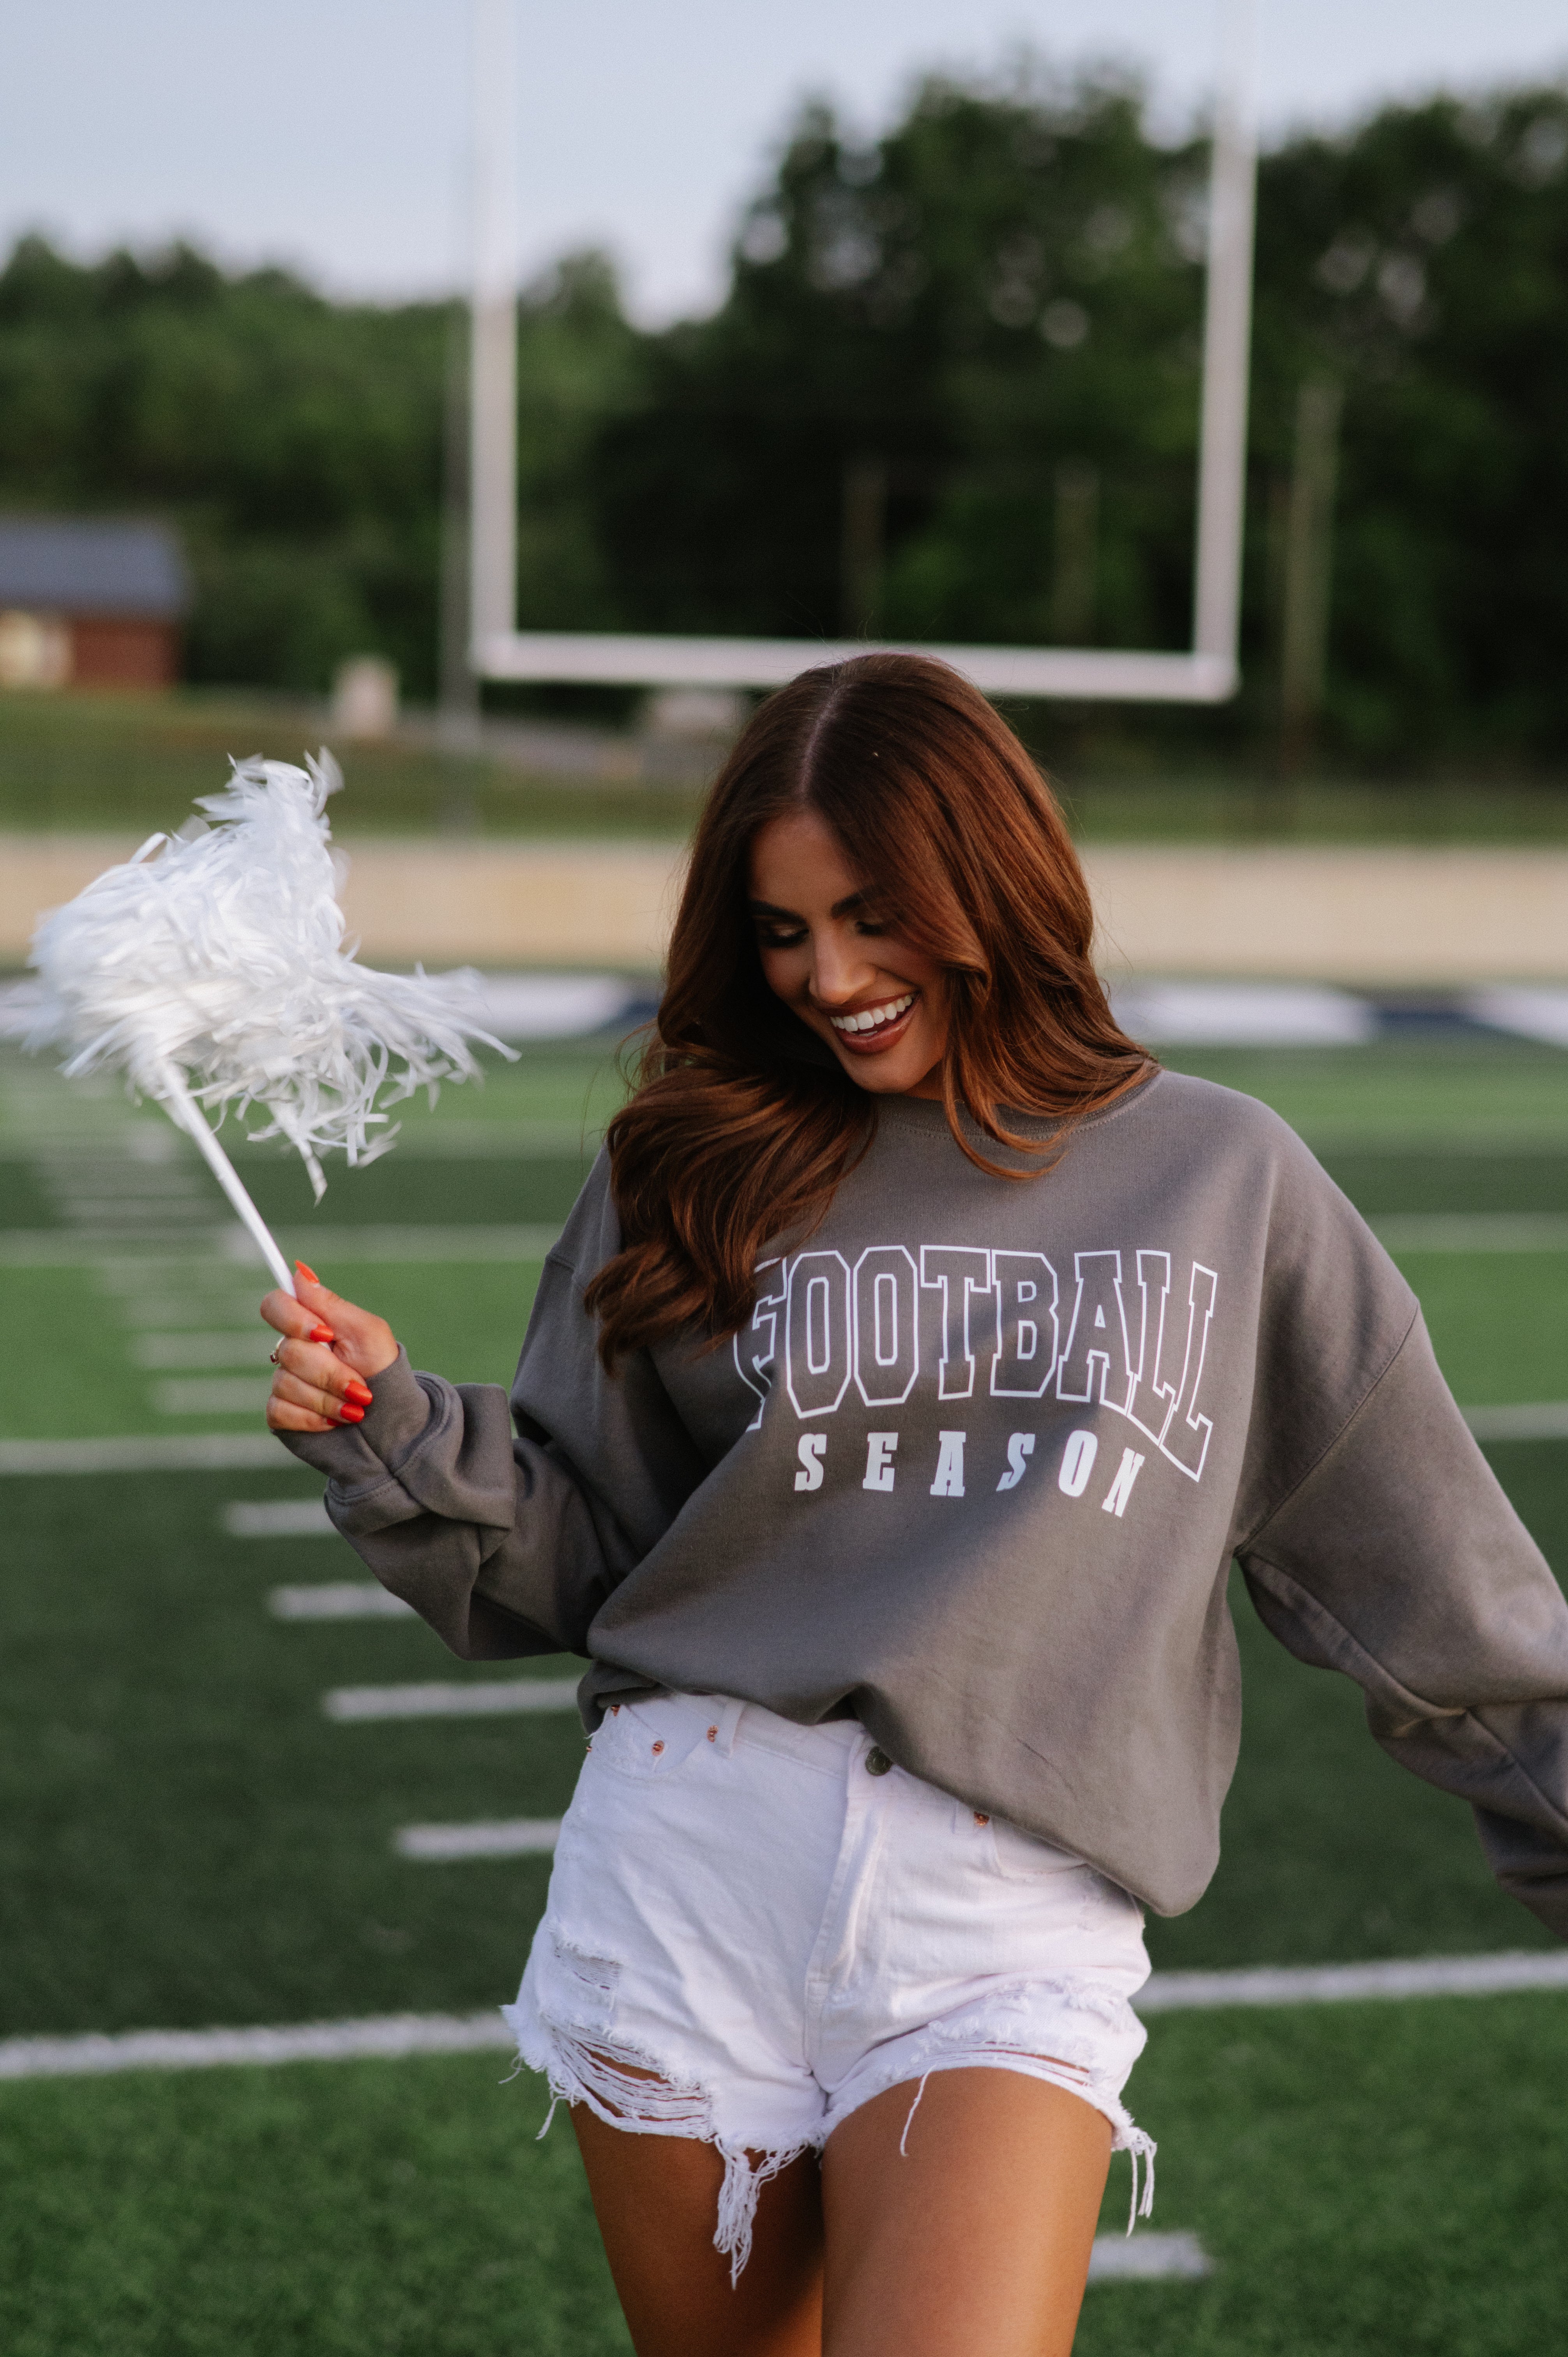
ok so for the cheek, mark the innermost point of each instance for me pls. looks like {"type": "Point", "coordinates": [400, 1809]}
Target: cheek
{"type": "Point", "coordinates": [783, 971]}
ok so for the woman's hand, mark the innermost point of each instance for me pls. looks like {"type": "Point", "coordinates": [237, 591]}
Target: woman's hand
{"type": "Point", "coordinates": [329, 1348]}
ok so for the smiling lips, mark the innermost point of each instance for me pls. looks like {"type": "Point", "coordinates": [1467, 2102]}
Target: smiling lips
{"type": "Point", "coordinates": [872, 1029]}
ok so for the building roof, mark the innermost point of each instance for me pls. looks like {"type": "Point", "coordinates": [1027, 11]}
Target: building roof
{"type": "Point", "coordinates": [89, 564]}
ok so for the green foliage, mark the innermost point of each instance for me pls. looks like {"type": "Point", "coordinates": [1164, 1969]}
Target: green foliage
{"type": "Point", "coordinates": [298, 443]}
{"type": "Point", "coordinates": [899, 303]}
{"type": "Point", "coordinates": [1423, 263]}
{"type": "Point", "coordinates": [991, 318]}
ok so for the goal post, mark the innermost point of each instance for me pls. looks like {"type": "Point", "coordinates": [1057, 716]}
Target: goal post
{"type": "Point", "coordinates": [1207, 672]}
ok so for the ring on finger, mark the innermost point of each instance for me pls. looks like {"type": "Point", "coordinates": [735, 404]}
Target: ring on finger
{"type": "Point", "coordinates": [272, 1356]}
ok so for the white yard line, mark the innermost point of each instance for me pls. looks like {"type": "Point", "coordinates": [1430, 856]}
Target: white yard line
{"type": "Point", "coordinates": [495, 1698]}
{"type": "Point", "coordinates": [1395, 1977]}
{"type": "Point", "coordinates": [319, 1246]}
{"type": "Point", "coordinates": [212, 1395]}
{"type": "Point", "coordinates": [64, 1248]}
{"type": "Point", "coordinates": [388, 2035]}
{"type": "Point", "coordinates": [444, 2033]}
{"type": "Point", "coordinates": [1147, 2257]}
{"type": "Point", "coordinates": [1536, 1420]}
{"type": "Point", "coordinates": [339, 1600]}
{"type": "Point", "coordinates": [1472, 1231]}
{"type": "Point", "coordinates": [277, 1518]}
{"type": "Point", "coordinates": [186, 1355]}
{"type": "Point", "coordinates": [194, 1452]}
{"type": "Point", "coordinates": [503, 1837]}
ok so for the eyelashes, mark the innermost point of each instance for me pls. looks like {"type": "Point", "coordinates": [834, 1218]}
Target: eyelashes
{"type": "Point", "coordinates": [871, 928]}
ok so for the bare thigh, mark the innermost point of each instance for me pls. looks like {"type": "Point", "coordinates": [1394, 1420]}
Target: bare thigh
{"type": "Point", "coordinates": [656, 2199]}
{"type": "Point", "coordinates": [977, 2236]}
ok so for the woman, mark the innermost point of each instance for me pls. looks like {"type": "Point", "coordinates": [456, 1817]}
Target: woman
{"type": "Point", "coordinates": [912, 1365]}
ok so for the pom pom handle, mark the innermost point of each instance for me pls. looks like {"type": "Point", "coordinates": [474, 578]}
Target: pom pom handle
{"type": "Point", "coordinates": [187, 1115]}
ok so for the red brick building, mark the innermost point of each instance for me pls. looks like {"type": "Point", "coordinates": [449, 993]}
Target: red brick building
{"type": "Point", "coordinates": [90, 602]}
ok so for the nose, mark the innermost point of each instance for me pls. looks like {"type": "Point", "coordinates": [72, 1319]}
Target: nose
{"type": "Point", "coordinates": [839, 968]}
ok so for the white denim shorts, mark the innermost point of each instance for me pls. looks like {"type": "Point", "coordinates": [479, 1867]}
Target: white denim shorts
{"type": "Point", "coordinates": [780, 1925]}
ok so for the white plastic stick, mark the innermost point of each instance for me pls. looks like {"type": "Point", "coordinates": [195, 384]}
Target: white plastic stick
{"type": "Point", "coordinates": [187, 1115]}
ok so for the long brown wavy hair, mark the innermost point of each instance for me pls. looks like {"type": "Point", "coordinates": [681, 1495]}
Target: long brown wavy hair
{"type": "Point", "coordinates": [741, 1124]}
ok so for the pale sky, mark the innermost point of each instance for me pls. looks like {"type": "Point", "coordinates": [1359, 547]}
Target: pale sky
{"type": "Point", "coordinates": [331, 134]}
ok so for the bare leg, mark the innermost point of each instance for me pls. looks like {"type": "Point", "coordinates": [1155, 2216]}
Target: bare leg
{"type": "Point", "coordinates": [656, 2199]}
{"type": "Point", "coordinates": [977, 2238]}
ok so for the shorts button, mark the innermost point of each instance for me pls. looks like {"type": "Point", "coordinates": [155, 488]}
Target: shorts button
{"type": "Point", "coordinates": [980, 1818]}
{"type": "Point", "coordinates": [713, 1735]}
{"type": "Point", "coordinates": [877, 1763]}
{"type": "Point", "coordinates": [657, 1750]}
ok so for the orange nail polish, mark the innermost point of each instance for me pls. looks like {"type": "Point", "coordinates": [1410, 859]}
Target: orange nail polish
{"type": "Point", "coordinates": [322, 1334]}
{"type": "Point", "coordinates": [308, 1273]}
{"type": "Point", "coordinates": [347, 1414]}
{"type": "Point", "coordinates": [360, 1394]}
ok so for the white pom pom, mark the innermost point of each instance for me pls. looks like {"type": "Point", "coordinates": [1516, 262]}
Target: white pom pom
{"type": "Point", "coordinates": [220, 960]}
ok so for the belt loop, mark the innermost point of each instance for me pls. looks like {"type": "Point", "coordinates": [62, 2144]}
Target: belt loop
{"type": "Point", "coordinates": [726, 1718]}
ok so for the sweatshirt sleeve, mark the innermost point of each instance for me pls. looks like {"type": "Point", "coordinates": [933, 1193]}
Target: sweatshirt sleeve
{"type": "Point", "coordinates": [507, 1540]}
{"type": "Point", "coordinates": [1397, 1558]}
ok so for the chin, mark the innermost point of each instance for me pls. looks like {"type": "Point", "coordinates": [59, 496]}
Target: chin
{"type": "Point", "coordinates": [887, 1076]}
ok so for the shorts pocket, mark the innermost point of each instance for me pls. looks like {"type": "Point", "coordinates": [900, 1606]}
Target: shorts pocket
{"type": "Point", "coordinates": [1019, 1856]}
{"type": "Point", "coordinates": [654, 1737]}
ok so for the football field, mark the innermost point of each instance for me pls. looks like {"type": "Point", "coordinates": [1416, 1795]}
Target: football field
{"type": "Point", "coordinates": [206, 1812]}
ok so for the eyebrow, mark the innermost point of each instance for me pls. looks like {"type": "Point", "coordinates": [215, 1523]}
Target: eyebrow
{"type": "Point", "coordinates": [846, 908]}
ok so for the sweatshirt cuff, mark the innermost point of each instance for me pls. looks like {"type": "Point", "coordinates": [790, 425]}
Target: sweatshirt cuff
{"type": "Point", "coordinates": [399, 1412]}
{"type": "Point", "coordinates": [394, 1422]}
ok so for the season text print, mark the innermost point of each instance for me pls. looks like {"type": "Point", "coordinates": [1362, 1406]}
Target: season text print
{"type": "Point", "coordinates": [1073, 1473]}
{"type": "Point", "coordinates": [1124, 1331]}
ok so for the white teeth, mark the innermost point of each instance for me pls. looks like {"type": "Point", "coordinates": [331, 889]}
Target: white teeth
{"type": "Point", "coordinates": [874, 1017]}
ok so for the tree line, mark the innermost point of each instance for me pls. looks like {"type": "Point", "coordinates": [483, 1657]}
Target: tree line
{"type": "Point", "coordinates": [951, 392]}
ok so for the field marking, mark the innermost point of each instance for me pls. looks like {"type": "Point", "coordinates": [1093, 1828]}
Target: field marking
{"type": "Point", "coordinates": [1534, 1420]}
{"type": "Point", "coordinates": [340, 1600]}
{"type": "Point", "coordinates": [64, 1248]}
{"type": "Point", "coordinates": [387, 2036]}
{"type": "Point", "coordinates": [503, 1837]}
{"type": "Point", "coordinates": [495, 1698]}
{"type": "Point", "coordinates": [192, 1452]}
{"type": "Point", "coordinates": [1243, 1015]}
{"type": "Point", "coordinates": [397, 2034]}
{"type": "Point", "coordinates": [1396, 1976]}
{"type": "Point", "coordinates": [277, 1518]}
{"type": "Point", "coordinates": [1146, 2257]}
{"type": "Point", "coordinates": [212, 1395]}
{"type": "Point", "coordinates": [1472, 1231]}
{"type": "Point", "coordinates": [509, 1244]}
{"type": "Point", "coordinates": [187, 1354]}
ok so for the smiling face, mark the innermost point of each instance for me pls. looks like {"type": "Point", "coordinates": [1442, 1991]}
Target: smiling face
{"type": "Point", "coordinates": [826, 951]}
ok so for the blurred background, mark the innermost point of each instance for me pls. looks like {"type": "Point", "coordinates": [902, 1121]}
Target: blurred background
{"type": "Point", "coordinates": [859, 322]}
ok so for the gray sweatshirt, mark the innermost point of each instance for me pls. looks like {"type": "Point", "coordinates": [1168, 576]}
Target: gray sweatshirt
{"type": "Point", "coordinates": [975, 1471]}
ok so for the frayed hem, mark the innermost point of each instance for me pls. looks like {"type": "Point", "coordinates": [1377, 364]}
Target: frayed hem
{"type": "Point", "coordinates": [633, 2092]}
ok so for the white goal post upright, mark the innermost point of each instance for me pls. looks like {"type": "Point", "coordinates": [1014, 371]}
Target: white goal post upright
{"type": "Point", "coordinates": [1207, 674]}
{"type": "Point", "coordinates": [492, 353]}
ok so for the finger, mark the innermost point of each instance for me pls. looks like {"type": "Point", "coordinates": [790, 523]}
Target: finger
{"type": "Point", "coordinates": [290, 1316]}
{"type": "Point", "coordinates": [300, 1393]}
{"type": "Point", "coordinates": [366, 1341]}
{"type": "Point", "coordinates": [284, 1416]}
{"type": "Point", "coordinates": [317, 1367]}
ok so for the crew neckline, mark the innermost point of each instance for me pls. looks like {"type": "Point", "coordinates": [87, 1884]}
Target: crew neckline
{"type": "Point", "coordinates": [927, 1115]}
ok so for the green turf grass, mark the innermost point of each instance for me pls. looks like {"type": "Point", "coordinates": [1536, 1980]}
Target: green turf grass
{"type": "Point", "coordinates": [1369, 2179]}
{"type": "Point", "coordinates": [1423, 1094]}
{"type": "Point", "coordinates": [185, 1839]}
